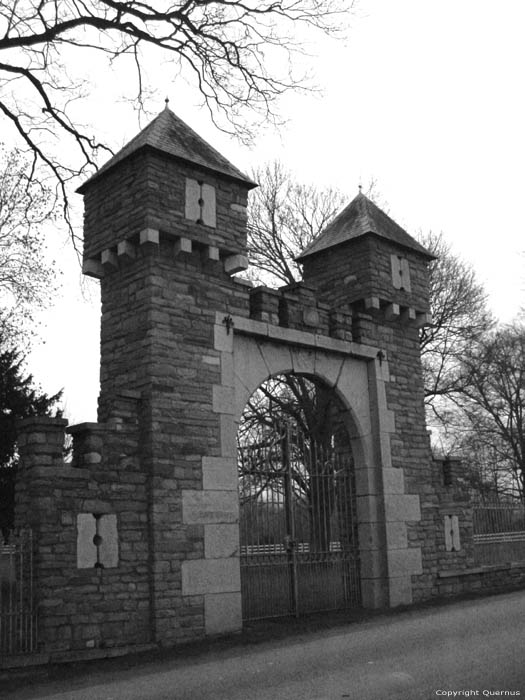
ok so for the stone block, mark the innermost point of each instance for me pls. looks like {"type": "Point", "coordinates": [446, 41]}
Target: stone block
{"type": "Point", "coordinates": [396, 535]}
{"type": "Point", "coordinates": [223, 400]}
{"type": "Point", "coordinates": [400, 591]}
{"type": "Point", "coordinates": [223, 340]}
{"type": "Point", "coordinates": [86, 548]}
{"type": "Point", "coordinates": [374, 593]}
{"type": "Point", "coordinates": [303, 360]}
{"type": "Point", "coordinates": [183, 246]}
{"type": "Point", "coordinates": [228, 432]}
{"type": "Point", "coordinates": [221, 541]}
{"type": "Point", "coordinates": [208, 205]}
{"type": "Point", "coordinates": [192, 207]}
{"type": "Point", "coordinates": [369, 509]}
{"type": "Point", "coordinates": [149, 236]}
{"type": "Point", "coordinates": [206, 507]}
{"type": "Point", "coordinates": [126, 251]}
{"type": "Point", "coordinates": [211, 252]}
{"type": "Point", "coordinates": [249, 365]}
{"type": "Point", "coordinates": [402, 508]}
{"type": "Point", "coordinates": [222, 613]}
{"type": "Point", "coordinates": [393, 481]}
{"type": "Point", "coordinates": [372, 563]}
{"type": "Point", "coordinates": [109, 260]}
{"type": "Point", "coordinates": [227, 374]}
{"type": "Point", "coordinates": [219, 474]}
{"type": "Point", "coordinates": [370, 536]}
{"type": "Point", "coordinates": [277, 358]}
{"type": "Point", "coordinates": [108, 548]}
{"type": "Point", "coordinates": [202, 576]}
{"type": "Point", "coordinates": [367, 481]}
{"type": "Point", "coordinates": [328, 367]}
{"type": "Point", "coordinates": [404, 562]}
{"type": "Point", "coordinates": [236, 263]}
{"type": "Point", "coordinates": [93, 268]}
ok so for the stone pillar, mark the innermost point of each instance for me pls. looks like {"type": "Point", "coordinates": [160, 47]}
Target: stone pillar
{"type": "Point", "coordinates": [41, 448]}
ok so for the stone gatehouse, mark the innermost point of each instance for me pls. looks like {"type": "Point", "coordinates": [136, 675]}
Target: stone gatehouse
{"type": "Point", "coordinates": [137, 538]}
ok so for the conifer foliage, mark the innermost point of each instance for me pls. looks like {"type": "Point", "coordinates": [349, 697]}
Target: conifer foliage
{"type": "Point", "coordinates": [19, 398]}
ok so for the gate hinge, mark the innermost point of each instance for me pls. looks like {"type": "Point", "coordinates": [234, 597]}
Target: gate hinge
{"type": "Point", "coordinates": [228, 322]}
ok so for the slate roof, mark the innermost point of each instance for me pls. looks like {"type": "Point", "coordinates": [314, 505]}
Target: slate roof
{"type": "Point", "coordinates": [169, 134]}
{"type": "Point", "coordinates": [359, 218]}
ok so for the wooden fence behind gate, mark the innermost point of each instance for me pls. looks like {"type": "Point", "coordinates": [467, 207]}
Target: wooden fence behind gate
{"type": "Point", "coordinates": [18, 620]}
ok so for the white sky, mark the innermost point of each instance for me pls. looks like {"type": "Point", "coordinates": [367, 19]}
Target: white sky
{"type": "Point", "coordinates": [426, 96]}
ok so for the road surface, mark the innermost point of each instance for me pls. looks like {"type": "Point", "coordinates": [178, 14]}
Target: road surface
{"type": "Point", "coordinates": [473, 648]}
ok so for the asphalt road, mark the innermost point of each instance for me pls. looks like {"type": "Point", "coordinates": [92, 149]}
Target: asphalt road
{"type": "Point", "coordinates": [474, 648]}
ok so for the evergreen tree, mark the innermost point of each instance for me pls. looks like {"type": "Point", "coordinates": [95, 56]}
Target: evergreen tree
{"type": "Point", "coordinates": [19, 398]}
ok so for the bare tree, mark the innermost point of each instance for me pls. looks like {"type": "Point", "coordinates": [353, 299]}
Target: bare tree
{"type": "Point", "coordinates": [27, 278]}
{"type": "Point", "coordinates": [494, 392]}
{"type": "Point", "coordinates": [284, 217]}
{"type": "Point", "coordinates": [237, 53]}
{"type": "Point", "coordinates": [460, 317]}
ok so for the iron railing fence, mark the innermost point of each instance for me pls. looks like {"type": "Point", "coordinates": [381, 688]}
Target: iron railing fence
{"type": "Point", "coordinates": [18, 619]}
{"type": "Point", "coordinates": [298, 532]}
{"type": "Point", "coordinates": [498, 532]}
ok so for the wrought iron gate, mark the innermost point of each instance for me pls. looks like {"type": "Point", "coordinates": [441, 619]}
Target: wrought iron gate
{"type": "Point", "coordinates": [298, 531]}
{"type": "Point", "coordinates": [17, 605]}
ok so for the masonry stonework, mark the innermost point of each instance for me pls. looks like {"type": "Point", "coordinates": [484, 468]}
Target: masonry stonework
{"type": "Point", "coordinates": [137, 536]}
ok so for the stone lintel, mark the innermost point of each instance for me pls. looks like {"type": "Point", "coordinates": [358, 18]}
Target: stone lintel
{"type": "Point", "coordinates": [93, 268]}
{"type": "Point", "coordinates": [249, 326]}
{"type": "Point", "coordinates": [236, 263]}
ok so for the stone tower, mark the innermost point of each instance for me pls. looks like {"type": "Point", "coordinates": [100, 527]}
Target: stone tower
{"type": "Point", "coordinates": [366, 265]}
{"type": "Point", "coordinates": [165, 228]}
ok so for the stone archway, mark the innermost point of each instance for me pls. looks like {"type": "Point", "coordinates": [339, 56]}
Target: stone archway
{"type": "Point", "coordinates": [299, 550]}
{"type": "Point", "coordinates": [248, 352]}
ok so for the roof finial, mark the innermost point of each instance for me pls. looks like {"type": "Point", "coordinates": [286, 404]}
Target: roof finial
{"type": "Point", "coordinates": [167, 101]}
{"type": "Point", "coordinates": [360, 188]}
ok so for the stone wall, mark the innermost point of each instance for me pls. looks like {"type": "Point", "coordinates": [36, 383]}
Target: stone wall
{"type": "Point", "coordinates": [81, 606]}
{"type": "Point", "coordinates": [147, 191]}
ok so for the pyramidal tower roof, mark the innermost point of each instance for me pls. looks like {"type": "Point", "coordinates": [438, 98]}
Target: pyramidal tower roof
{"type": "Point", "coordinates": [359, 218]}
{"type": "Point", "coordinates": [169, 134]}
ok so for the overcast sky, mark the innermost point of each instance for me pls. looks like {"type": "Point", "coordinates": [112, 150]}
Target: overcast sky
{"type": "Point", "coordinates": [426, 97]}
